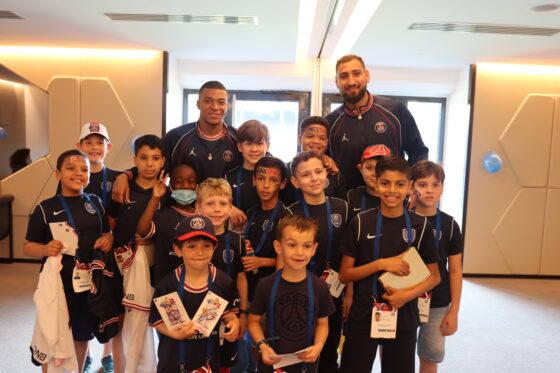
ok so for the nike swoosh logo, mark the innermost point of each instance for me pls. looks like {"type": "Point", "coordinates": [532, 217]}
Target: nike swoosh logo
{"type": "Point", "coordinates": [369, 237]}
{"type": "Point", "coordinates": [57, 212]}
{"type": "Point", "coordinates": [234, 356]}
{"type": "Point", "coordinates": [357, 208]}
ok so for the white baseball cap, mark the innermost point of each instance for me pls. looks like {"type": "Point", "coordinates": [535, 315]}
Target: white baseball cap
{"type": "Point", "coordinates": [94, 128]}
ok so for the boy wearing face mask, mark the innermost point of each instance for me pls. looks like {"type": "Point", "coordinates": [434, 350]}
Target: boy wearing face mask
{"type": "Point", "coordinates": [160, 224]}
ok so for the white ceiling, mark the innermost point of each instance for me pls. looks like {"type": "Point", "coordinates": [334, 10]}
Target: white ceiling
{"type": "Point", "coordinates": [386, 40]}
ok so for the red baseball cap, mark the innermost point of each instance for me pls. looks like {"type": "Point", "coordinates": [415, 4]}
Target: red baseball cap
{"type": "Point", "coordinates": [376, 150]}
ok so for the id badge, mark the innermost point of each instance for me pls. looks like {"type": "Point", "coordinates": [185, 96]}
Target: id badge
{"type": "Point", "coordinates": [424, 306]}
{"type": "Point", "coordinates": [81, 277]}
{"type": "Point", "coordinates": [383, 321]}
{"type": "Point", "coordinates": [123, 257]}
{"type": "Point", "coordinates": [331, 278]}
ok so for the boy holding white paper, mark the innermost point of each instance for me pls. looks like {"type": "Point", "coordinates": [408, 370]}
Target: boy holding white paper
{"type": "Point", "coordinates": [207, 294]}
{"type": "Point", "coordinates": [83, 215]}
{"type": "Point", "coordinates": [375, 243]}
{"type": "Point", "coordinates": [297, 303]}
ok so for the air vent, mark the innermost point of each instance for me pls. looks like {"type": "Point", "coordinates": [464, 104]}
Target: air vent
{"type": "Point", "coordinates": [6, 14]}
{"type": "Point", "coordinates": [184, 18]}
{"type": "Point", "coordinates": [483, 28]}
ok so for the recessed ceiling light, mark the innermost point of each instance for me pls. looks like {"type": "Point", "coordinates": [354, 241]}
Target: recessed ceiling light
{"type": "Point", "coordinates": [543, 8]}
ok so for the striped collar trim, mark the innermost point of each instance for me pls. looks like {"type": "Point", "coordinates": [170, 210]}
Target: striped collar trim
{"type": "Point", "coordinates": [361, 110]}
{"type": "Point", "coordinates": [210, 138]}
{"type": "Point", "coordinates": [184, 213]}
{"type": "Point", "coordinates": [191, 289]}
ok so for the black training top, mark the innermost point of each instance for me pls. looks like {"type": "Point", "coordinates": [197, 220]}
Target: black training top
{"type": "Point", "coordinates": [359, 244]}
{"type": "Point", "coordinates": [209, 157]}
{"type": "Point", "coordinates": [381, 121]}
{"type": "Point", "coordinates": [291, 314]}
{"type": "Point", "coordinates": [451, 243]}
{"type": "Point", "coordinates": [338, 220]}
{"type": "Point", "coordinates": [247, 196]}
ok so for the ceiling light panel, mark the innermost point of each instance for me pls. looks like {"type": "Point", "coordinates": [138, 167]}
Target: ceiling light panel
{"type": "Point", "coordinates": [483, 28]}
{"type": "Point", "coordinates": [6, 14]}
{"type": "Point", "coordinates": [183, 18]}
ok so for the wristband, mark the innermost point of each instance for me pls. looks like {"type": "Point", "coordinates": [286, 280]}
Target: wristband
{"type": "Point", "coordinates": [242, 311]}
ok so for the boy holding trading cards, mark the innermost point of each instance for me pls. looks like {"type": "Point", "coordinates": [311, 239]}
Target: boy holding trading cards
{"type": "Point", "coordinates": [309, 176]}
{"type": "Point", "coordinates": [443, 306]}
{"type": "Point", "coordinates": [376, 241]}
{"type": "Point", "coordinates": [296, 303]}
{"type": "Point", "coordinates": [207, 295]}
{"type": "Point", "coordinates": [85, 215]}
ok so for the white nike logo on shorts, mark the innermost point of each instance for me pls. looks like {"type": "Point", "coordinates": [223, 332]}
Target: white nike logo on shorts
{"type": "Point", "coordinates": [57, 212]}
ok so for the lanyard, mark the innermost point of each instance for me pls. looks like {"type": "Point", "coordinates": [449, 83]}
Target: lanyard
{"type": "Point", "coordinates": [104, 188]}
{"type": "Point", "coordinates": [267, 228]}
{"type": "Point", "coordinates": [329, 229]}
{"type": "Point", "coordinates": [377, 241]}
{"type": "Point", "coordinates": [229, 260]}
{"type": "Point", "coordinates": [238, 190]}
{"type": "Point", "coordinates": [182, 342]}
{"type": "Point", "coordinates": [438, 228]}
{"type": "Point", "coordinates": [363, 201]}
{"type": "Point", "coordinates": [71, 218]}
{"type": "Point", "coordinates": [310, 309]}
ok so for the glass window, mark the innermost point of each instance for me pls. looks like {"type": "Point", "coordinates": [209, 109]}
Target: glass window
{"type": "Point", "coordinates": [281, 112]}
{"type": "Point", "coordinates": [281, 118]}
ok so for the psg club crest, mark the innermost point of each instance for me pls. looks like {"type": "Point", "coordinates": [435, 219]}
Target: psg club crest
{"type": "Point", "coordinates": [228, 155]}
{"type": "Point", "coordinates": [228, 256]}
{"type": "Point", "coordinates": [405, 234]}
{"type": "Point", "coordinates": [94, 127]}
{"type": "Point", "coordinates": [197, 223]}
{"type": "Point", "coordinates": [336, 220]}
{"type": "Point", "coordinates": [265, 222]}
{"type": "Point", "coordinates": [106, 186]}
{"type": "Point", "coordinates": [380, 127]}
{"type": "Point", "coordinates": [89, 208]}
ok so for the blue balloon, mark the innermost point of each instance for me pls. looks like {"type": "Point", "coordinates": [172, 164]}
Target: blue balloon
{"type": "Point", "coordinates": [133, 141]}
{"type": "Point", "coordinates": [3, 133]}
{"type": "Point", "coordinates": [492, 162]}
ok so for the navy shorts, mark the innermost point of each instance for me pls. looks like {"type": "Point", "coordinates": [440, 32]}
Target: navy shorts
{"type": "Point", "coordinates": [81, 320]}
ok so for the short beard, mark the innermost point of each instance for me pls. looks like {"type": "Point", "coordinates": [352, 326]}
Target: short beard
{"type": "Point", "coordinates": [354, 99]}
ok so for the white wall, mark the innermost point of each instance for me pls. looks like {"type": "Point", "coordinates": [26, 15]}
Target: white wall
{"type": "Point", "coordinates": [455, 147]}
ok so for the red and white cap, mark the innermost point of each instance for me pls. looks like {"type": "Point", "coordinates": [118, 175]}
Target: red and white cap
{"type": "Point", "coordinates": [377, 150]}
{"type": "Point", "coordinates": [193, 226]}
{"type": "Point", "coordinates": [94, 128]}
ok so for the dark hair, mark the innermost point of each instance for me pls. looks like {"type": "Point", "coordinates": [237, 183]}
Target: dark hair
{"type": "Point", "coordinates": [18, 159]}
{"type": "Point", "coordinates": [253, 131]}
{"type": "Point", "coordinates": [212, 84]}
{"type": "Point", "coordinates": [66, 154]}
{"type": "Point", "coordinates": [425, 168]}
{"type": "Point", "coordinates": [348, 58]}
{"type": "Point", "coordinates": [200, 237]}
{"type": "Point", "coordinates": [181, 165]}
{"type": "Point", "coordinates": [303, 157]}
{"type": "Point", "coordinates": [152, 141]}
{"type": "Point", "coordinates": [314, 120]}
{"type": "Point", "coordinates": [392, 163]}
{"type": "Point", "coordinates": [300, 223]}
{"type": "Point", "coordinates": [273, 162]}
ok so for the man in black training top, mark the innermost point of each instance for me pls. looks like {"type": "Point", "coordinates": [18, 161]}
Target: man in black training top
{"type": "Point", "coordinates": [365, 119]}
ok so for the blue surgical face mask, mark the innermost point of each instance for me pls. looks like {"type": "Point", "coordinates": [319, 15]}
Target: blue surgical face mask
{"type": "Point", "coordinates": [184, 197]}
